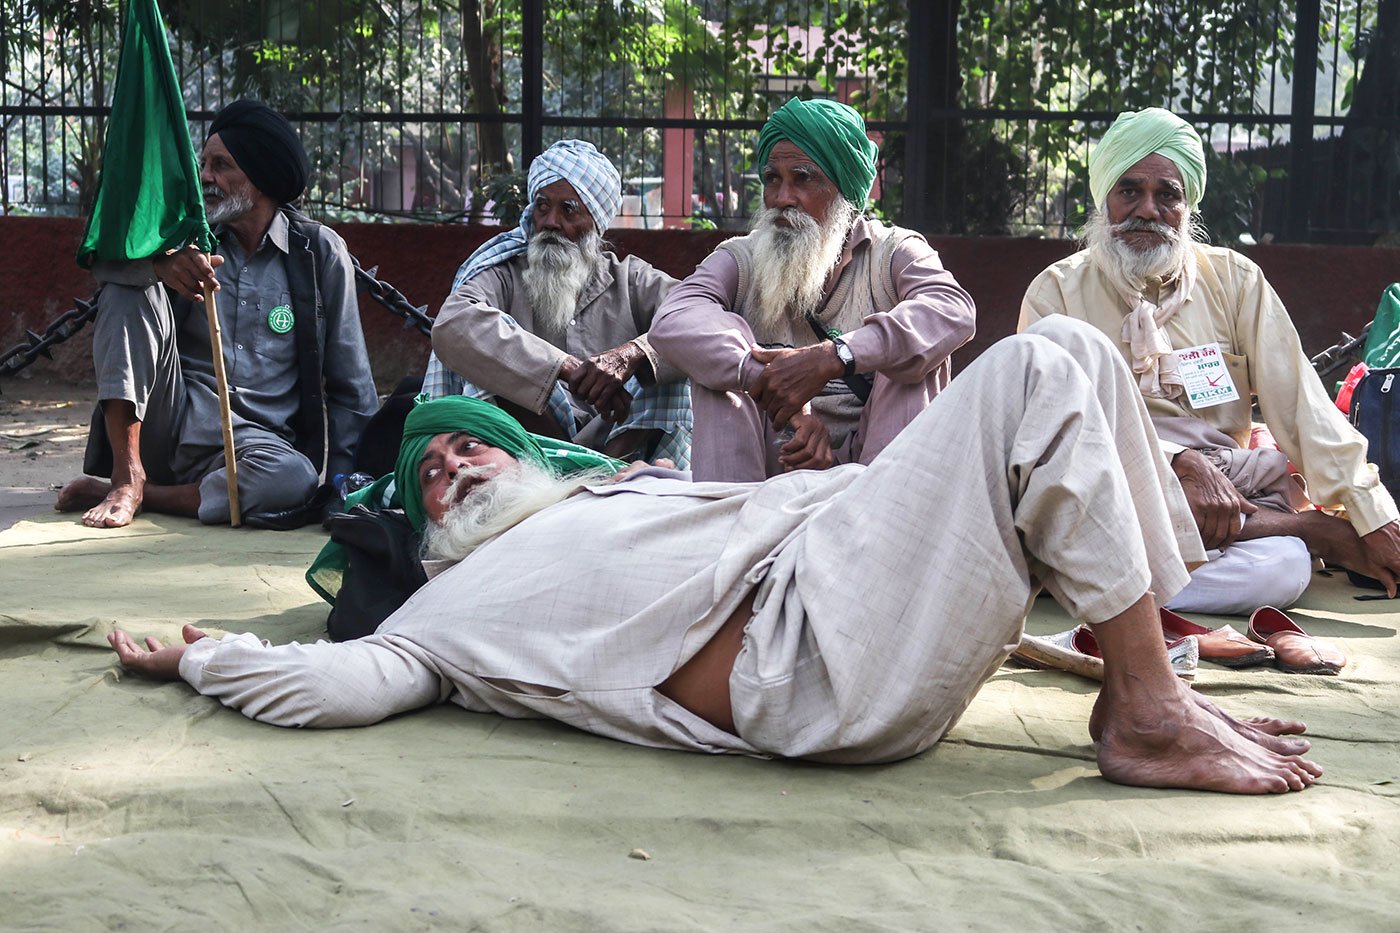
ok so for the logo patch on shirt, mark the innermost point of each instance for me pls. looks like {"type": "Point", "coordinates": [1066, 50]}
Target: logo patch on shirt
{"type": "Point", "coordinates": [280, 319]}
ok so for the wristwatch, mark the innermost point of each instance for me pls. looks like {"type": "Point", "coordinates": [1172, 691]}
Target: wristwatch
{"type": "Point", "coordinates": [844, 354]}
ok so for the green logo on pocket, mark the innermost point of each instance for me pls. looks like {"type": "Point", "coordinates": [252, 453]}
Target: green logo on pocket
{"type": "Point", "coordinates": [280, 319]}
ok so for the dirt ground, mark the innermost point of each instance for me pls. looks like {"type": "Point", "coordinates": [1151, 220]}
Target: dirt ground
{"type": "Point", "coordinates": [43, 428]}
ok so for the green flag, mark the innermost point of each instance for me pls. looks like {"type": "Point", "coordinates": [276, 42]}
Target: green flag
{"type": "Point", "coordinates": [148, 198]}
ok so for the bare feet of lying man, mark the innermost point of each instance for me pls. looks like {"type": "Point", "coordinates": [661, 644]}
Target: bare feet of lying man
{"type": "Point", "coordinates": [1183, 740]}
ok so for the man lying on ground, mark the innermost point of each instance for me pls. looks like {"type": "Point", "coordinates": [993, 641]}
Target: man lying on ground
{"type": "Point", "coordinates": [846, 615]}
{"type": "Point", "coordinates": [816, 338]}
{"type": "Point", "coordinates": [1162, 298]}
{"type": "Point", "coordinates": [548, 321]}
{"type": "Point", "coordinates": [297, 367]}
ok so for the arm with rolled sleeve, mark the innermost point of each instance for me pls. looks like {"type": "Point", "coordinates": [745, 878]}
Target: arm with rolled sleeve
{"type": "Point", "coordinates": [1303, 419]}
{"type": "Point", "coordinates": [473, 336]}
{"type": "Point", "coordinates": [935, 315]}
{"type": "Point", "coordinates": [697, 332]}
{"type": "Point", "coordinates": [321, 685]}
{"type": "Point", "coordinates": [349, 385]}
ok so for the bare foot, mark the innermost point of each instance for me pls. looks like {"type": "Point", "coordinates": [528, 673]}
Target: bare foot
{"type": "Point", "coordinates": [1178, 742]}
{"type": "Point", "coordinates": [1262, 730]}
{"type": "Point", "coordinates": [81, 494]}
{"type": "Point", "coordinates": [107, 505]}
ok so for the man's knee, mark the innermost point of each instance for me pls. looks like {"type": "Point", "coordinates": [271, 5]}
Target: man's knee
{"type": "Point", "coordinates": [1273, 571]}
{"type": "Point", "coordinates": [1073, 335]}
{"type": "Point", "coordinates": [270, 479]}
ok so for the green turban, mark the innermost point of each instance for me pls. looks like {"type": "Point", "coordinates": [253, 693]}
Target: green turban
{"type": "Point", "coordinates": [1135, 136]}
{"type": "Point", "coordinates": [488, 423]}
{"type": "Point", "coordinates": [833, 135]}
{"type": "Point", "coordinates": [400, 489]}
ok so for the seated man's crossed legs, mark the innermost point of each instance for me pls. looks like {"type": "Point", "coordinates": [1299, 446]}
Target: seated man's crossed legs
{"type": "Point", "coordinates": [135, 437]}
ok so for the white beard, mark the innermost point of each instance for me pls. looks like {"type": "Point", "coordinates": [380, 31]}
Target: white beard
{"type": "Point", "coordinates": [1132, 267]}
{"type": "Point", "coordinates": [558, 272]}
{"type": "Point", "coordinates": [220, 208]}
{"type": "Point", "coordinates": [495, 506]}
{"type": "Point", "coordinates": [790, 264]}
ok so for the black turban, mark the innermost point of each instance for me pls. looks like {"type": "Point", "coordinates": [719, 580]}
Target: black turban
{"type": "Point", "coordinates": [265, 147]}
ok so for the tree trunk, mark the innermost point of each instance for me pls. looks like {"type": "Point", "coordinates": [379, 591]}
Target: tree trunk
{"type": "Point", "coordinates": [481, 45]}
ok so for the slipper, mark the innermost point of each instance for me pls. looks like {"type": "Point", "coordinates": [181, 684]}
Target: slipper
{"type": "Point", "coordinates": [1223, 645]}
{"type": "Point", "coordinates": [1295, 651]}
{"type": "Point", "coordinates": [1079, 642]}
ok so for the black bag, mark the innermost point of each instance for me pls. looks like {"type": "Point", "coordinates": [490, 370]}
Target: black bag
{"type": "Point", "coordinates": [1375, 412]}
{"type": "Point", "coordinates": [383, 569]}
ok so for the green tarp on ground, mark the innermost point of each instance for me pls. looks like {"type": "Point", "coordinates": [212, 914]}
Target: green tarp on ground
{"type": "Point", "coordinates": [131, 804]}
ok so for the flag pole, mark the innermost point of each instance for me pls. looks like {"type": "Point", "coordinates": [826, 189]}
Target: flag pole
{"type": "Point", "coordinates": [216, 351]}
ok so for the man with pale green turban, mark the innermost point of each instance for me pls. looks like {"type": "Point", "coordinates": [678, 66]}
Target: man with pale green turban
{"type": "Point", "coordinates": [815, 339]}
{"type": "Point", "coordinates": [1206, 336]}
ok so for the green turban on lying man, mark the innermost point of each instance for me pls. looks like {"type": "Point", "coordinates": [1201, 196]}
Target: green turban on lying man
{"type": "Point", "coordinates": [485, 422]}
{"type": "Point", "coordinates": [1136, 135]}
{"type": "Point", "coordinates": [449, 415]}
{"type": "Point", "coordinates": [833, 134]}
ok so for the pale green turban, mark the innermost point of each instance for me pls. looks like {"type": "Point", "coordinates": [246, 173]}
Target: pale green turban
{"type": "Point", "coordinates": [1135, 136]}
{"type": "Point", "coordinates": [833, 134]}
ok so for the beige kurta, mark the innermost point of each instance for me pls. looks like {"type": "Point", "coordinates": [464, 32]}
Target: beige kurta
{"type": "Point", "coordinates": [1234, 306]}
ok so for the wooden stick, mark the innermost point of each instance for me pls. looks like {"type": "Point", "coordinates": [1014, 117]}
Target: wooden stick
{"type": "Point", "coordinates": [216, 350]}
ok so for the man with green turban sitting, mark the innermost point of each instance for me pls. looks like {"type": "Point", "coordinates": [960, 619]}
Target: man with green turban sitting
{"type": "Point", "coordinates": [844, 615]}
{"type": "Point", "coordinates": [816, 338]}
{"type": "Point", "coordinates": [1206, 336]}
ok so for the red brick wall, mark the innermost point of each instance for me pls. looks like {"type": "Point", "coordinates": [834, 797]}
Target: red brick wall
{"type": "Point", "coordinates": [1326, 288]}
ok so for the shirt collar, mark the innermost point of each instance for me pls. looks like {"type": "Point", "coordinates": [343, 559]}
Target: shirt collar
{"type": "Point", "coordinates": [277, 233]}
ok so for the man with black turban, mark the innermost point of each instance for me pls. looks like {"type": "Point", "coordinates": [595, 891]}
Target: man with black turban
{"type": "Point", "coordinates": [1207, 336]}
{"type": "Point", "coordinates": [299, 379]}
{"type": "Point", "coordinates": [816, 338]}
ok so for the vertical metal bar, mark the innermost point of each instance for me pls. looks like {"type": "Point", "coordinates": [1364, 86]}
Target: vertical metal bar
{"type": "Point", "coordinates": [1300, 181]}
{"type": "Point", "coordinates": [531, 80]}
{"type": "Point", "coordinates": [918, 135]}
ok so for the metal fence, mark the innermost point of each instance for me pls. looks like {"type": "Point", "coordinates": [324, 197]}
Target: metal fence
{"type": "Point", "coordinates": [985, 111]}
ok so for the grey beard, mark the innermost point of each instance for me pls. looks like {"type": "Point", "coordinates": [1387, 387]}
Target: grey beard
{"type": "Point", "coordinates": [220, 208]}
{"type": "Point", "coordinates": [790, 264]}
{"type": "Point", "coordinates": [497, 506]}
{"type": "Point", "coordinates": [558, 272]}
{"type": "Point", "coordinates": [1133, 267]}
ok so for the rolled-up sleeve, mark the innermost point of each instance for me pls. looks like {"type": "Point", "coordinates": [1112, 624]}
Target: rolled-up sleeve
{"type": "Point", "coordinates": [935, 315]}
{"type": "Point", "coordinates": [698, 333]}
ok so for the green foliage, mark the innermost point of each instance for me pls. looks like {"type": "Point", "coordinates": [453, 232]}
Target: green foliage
{"type": "Point", "coordinates": [509, 193]}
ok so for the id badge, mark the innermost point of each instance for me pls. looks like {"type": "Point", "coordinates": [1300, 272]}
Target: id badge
{"type": "Point", "coordinates": [1205, 376]}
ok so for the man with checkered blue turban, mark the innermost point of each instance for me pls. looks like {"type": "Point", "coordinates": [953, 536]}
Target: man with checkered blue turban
{"type": "Point", "coordinates": [550, 324]}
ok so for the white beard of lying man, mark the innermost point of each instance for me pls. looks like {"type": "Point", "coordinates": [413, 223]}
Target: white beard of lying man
{"type": "Point", "coordinates": [509, 498]}
{"type": "Point", "coordinates": [558, 272]}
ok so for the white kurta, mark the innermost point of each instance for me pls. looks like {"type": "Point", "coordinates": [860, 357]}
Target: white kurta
{"type": "Point", "coordinates": [886, 595]}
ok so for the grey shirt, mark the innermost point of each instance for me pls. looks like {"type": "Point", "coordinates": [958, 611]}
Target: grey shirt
{"type": "Point", "coordinates": [472, 337]}
{"type": "Point", "coordinates": [261, 363]}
